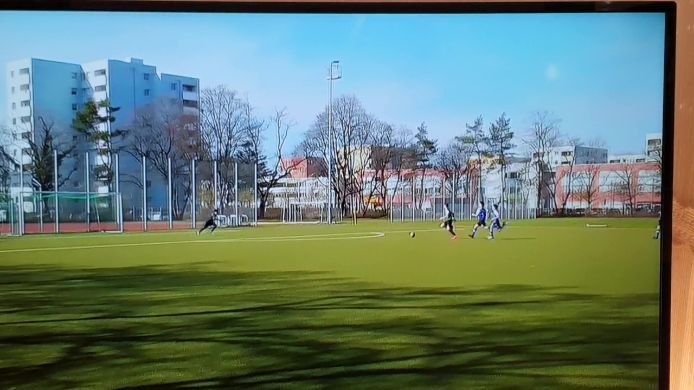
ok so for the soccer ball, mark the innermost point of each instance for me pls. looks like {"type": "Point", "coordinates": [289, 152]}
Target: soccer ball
{"type": "Point", "coordinates": [411, 234]}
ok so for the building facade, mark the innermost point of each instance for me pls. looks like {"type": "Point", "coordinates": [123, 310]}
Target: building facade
{"type": "Point", "coordinates": [50, 92]}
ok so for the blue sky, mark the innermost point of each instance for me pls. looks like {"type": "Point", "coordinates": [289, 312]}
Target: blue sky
{"type": "Point", "coordinates": [601, 74]}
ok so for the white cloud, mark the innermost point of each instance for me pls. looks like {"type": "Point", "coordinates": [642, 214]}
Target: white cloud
{"type": "Point", "coordinates": [552, 72]}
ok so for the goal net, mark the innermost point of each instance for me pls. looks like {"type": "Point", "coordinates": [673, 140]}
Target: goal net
{"type": "Point", "coordinates": [68, 212]}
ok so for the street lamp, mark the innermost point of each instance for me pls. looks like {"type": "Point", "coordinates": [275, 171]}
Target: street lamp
{"type": "Point", "coordinates": [335, 74]}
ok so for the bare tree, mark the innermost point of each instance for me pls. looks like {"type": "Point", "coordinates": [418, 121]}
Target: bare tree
{"type": "Point", "coordinates": [271, 169]}
{"type": "Point", "coordinates": [540, 140]}
{"type": "Point", "coordinates": [160, 131]}
{"type": "Point", "coordinates": [382, 148]}
{"type": "Point", "coordinates": [628, 187]}
{"type": "Point", "coordinates": [350, 146]}
{"type": "Point", "coordinates": [588, 185]}
{"type": "Point", "coordinates": [223, 116]}
{"type": "Point", "coordinates": [568, 160]}
{"type": "Point", "coordinates": [454, 162]}
{"type": "Point", "coordinates": [41, 150]}
{"type": "Point", "coordinates": [404, 157]}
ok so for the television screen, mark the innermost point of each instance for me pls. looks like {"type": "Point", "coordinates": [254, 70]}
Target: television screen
{"type": "Point", "coordinates": [335, 196]}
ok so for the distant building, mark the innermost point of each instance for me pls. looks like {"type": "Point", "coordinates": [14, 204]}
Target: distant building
{"type": "Point", "coordinates": [610, 186]}
{"type": "Point", "coordinates": [53, 91]}
{"type": "Point", "coordinates": [566, 155]}
{"type": "Point", "coordinates": [627, 158]}
{"type": "Point", "coordinates": [654, 146]}
{"type": "Point", "coordinates": [303, 167]}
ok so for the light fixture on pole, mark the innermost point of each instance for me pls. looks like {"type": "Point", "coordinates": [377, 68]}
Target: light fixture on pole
{"type": "Point", "coordinates": [335, 74]}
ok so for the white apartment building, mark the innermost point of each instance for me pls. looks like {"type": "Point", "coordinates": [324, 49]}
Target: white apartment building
{"type": "Point", "coordinates": [654, 146]}
{"type": "Point", "coordinates": [53, 91]}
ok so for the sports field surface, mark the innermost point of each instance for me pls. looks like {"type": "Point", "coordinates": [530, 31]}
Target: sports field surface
{"type": "Point", "coordinates": [549, 304]}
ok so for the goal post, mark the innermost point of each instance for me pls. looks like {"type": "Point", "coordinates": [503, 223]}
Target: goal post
{"type": "Point", "coordinates": [305, 212]}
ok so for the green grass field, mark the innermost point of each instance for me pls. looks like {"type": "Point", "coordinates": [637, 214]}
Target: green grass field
{"type": "Point", "coordinates": [550, 304]}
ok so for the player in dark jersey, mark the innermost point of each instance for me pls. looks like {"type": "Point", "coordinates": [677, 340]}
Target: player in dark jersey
{"type": "Point", "coordinates": [481, 215]}
{"type": "Point", "coordinates": [210, 223]}
{"type": "Point", "coordinates": [448, 218]}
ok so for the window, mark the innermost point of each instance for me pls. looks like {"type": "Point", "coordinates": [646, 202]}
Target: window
{"type": "Point", "coordinates": [146, 92]}
{"type": "Point", "coordinates": [73, 92]}
{"type": "Point", "coordinates": [25, 103]}
{"type": "Point", "coordinates": [173, 86]}
{"type": "Point", "coordinates": [12, 89]}
{"type": "Point", "coordinates": [100, 72]}
{"type": "Point", "coordinates": [26, 119]}
{"type": "Point", "coordinates": [26, 135]}
{"type": "Point", "coordinates": [190, 103]}
{"type": "Point", "coordinates": [100, 88]}
{"type": "Point", "coordinates": [649, 181]}
{"type": "Point", "coordinates": [146, 76]}
{"type": "Point", "coordinates": [189, 88]}
{"type": "Point", "coordinates": [74, 75]}
{"type": "Point", "coordinates": [14, 106]}
{"type": "Point", "coordinates": [14, 121]}
{"type": "Point", "coordinates": [24, 71]}
{"type": "Point", "coordinates": [24, 87]}
{"type": "Point", "coordinates": [74, 107]}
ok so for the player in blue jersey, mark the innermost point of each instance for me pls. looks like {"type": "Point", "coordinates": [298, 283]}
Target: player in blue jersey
{"type": "Point", "coordinates": [448, 218]}
{"type": "Point", "coordinates": [496, 222]}
{"type": "Point", "coordinates": [481, 215]}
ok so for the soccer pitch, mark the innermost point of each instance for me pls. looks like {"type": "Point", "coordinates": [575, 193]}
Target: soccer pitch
{"type": "Point", "coordinates": [549, 304]}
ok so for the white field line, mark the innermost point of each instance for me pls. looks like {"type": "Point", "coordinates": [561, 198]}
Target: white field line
{"type": "Point", "coordinates": [310, 237]}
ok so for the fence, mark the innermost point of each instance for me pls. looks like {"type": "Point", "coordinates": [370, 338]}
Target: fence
{"type": "Point", "coordinates": [139, 193]}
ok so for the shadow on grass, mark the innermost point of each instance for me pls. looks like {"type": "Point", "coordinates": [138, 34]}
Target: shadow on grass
{"type": "Point", "coordinates": [175, 328]}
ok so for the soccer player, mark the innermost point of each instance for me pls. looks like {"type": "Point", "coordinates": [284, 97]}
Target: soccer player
{"type": "Point", "coordinates": [481, 215]}
{"type": "Point", "coordinates": [657, 229]}
{"type": "Point", "coordinates": [210, 223]}
{"type": "Point", "coordinates": [496, 222]}
{"type": "Point", "coordinates": [448, 218]}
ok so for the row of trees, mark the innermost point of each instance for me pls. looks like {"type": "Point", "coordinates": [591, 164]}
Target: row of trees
{"type": "Point", "coordinates": [226, 130]}
{"type": "Point", "coordinates": [366, 151]}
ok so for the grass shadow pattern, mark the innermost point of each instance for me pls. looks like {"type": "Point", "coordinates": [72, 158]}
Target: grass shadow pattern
{"type": "Point", "coordinates": [179, 327]}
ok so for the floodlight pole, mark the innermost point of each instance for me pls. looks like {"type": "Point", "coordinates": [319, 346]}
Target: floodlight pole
{"type": "Point", "coordinates": [86, 186]}
{"type": "Point", "coordinates": [333, 65]}
{"type": "Point", "coordinates": [192, 186]}
{"type": "Point", "coordinates": [169, 193]}
{"type": "Point", "coordinates": [21, 192]}
{"type": "Point", "coordinates": [55, 188]}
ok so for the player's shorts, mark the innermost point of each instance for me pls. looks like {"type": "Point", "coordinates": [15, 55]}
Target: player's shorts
{"type": "Point", "coordinates": [481, 222]}
{"type": "Point", "coordinates": [209, 223]}
{"type": "Point", "coordinates": [496, 223]}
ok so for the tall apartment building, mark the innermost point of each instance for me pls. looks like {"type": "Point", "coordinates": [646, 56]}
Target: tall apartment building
{"type": "Point", "coordinates": [53, 91]}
